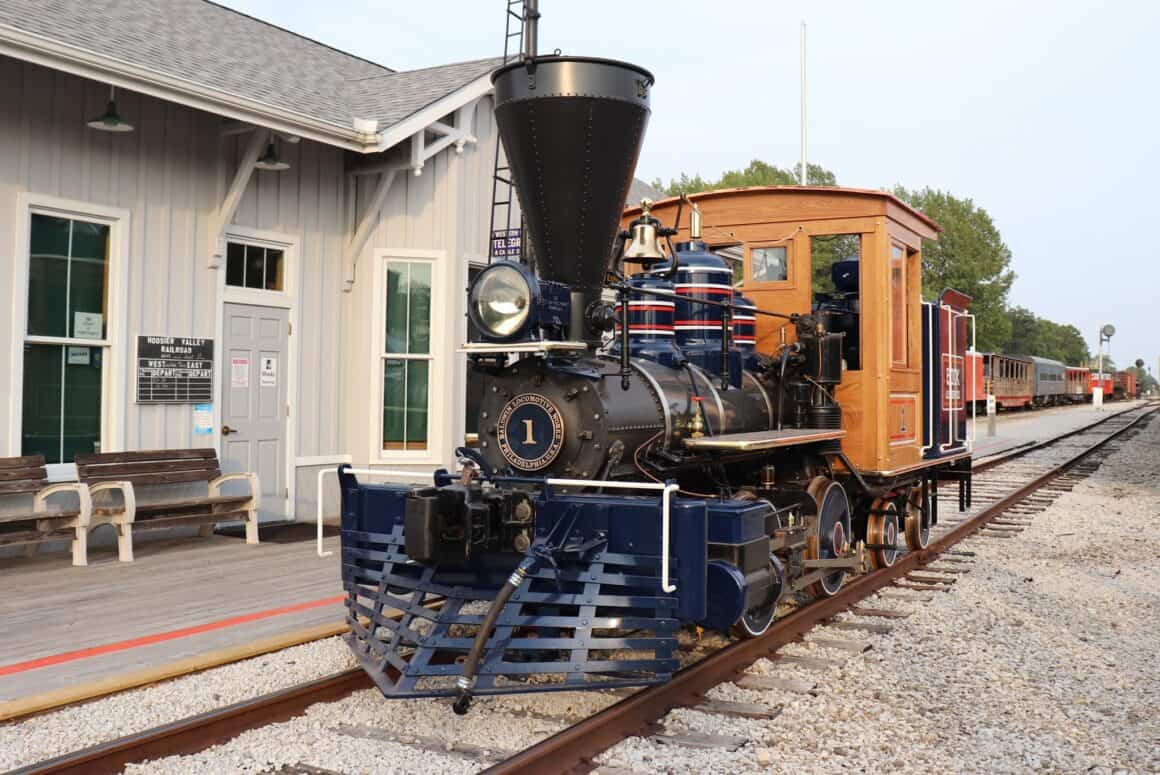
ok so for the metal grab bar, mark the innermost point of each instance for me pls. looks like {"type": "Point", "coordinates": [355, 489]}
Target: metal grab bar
{"type": "Point", "coordinates": [362, 472]}
{"type": "Point", "coordinates": [667, 491]}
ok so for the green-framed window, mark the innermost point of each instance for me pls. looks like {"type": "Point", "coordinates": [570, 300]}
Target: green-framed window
{"type": "Point", "coordinates": [406, 355]}
{"type": "Point", "coordinates": [66, 329]}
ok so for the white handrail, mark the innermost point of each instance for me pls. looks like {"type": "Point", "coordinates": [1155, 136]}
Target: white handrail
{"type": "Point", "coordinates": [361, 472]}
{"type": "Point", "coordinates": [667, 491]}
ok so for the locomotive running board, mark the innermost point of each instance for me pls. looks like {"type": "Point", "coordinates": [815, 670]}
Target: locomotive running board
{"type": "Point", "coordinates": [596, 620]}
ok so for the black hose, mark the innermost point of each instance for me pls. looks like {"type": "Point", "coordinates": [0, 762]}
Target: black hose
{"type": "Point", "coordinates": [466, 682]}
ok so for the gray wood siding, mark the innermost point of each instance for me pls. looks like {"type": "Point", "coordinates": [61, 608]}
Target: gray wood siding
{"type": "Point", "coordinates": [170, 175]}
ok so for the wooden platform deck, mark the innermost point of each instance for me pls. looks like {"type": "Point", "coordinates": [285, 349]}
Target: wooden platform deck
{"type": "Point", "coordinates": [219, 590]}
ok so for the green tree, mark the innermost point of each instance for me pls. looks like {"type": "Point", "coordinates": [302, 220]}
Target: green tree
{"type": "Point", "coordinates": [756, 173]}
{"type": "Point", "coordinates": [969, 256]}
{"type": "Point", "coordinates": [1023, 338]}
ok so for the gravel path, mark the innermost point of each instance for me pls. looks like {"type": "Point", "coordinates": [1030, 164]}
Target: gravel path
{"type": "Point", "coordinates": [1043, 657]}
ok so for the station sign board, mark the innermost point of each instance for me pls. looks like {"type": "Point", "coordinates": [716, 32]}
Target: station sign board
{"type": "Point", "coordinates": [174, 370]}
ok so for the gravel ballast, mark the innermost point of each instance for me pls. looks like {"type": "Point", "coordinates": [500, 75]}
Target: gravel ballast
{"type": "Point", "coordinates": [1042, 658]}
{"type": "Point", "coordinates": [79, 726]}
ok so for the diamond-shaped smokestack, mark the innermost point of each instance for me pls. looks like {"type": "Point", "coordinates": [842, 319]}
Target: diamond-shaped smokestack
{"type": "Point", "coordinates": [572, 128]}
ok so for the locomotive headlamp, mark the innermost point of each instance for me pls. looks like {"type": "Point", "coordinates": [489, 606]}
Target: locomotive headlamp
{"type": "Point", "coordinates": [502, 300]}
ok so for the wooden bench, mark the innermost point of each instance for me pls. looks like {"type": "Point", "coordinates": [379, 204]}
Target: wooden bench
{"type": "Point", "coordinates": [145, 481]}
{"type": "Point", "coordinates": [21, 477]}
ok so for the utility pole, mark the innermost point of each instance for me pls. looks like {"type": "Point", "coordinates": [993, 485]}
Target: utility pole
{"type": "Point", "coordinates": [1106, 334]}
{"type": "Point", "coordinates": [804, 177]}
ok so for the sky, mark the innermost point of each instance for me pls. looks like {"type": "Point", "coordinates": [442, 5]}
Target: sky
{"type": "Point", "coordinates": [1046, 114]}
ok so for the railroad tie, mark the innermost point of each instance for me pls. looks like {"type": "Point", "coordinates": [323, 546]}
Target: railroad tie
{"type": "Point", "coordinates": [953, 569]}
{"type": "Point", "coordinates": [853, 646]}
{"type": "Point", "coordinates": [814, 663]}
{"type": "Point", "coordinates": [898, 584]}
{"type": "Point", "coordinates": [874, 627]}
{"type": "Point", "coordinates": [764, 683]}
{"type": "Point", "coordinates": [432, 744]}
{"type": "Point", "coordinates": [910, 596]}
{"type": "Point", "coordinates": [738, 709]}
{"type": "Point", "coordinates": [700, 740]}
{"type": "Point", "coordinates": [885, 613]}
{"type": "Point", "coordinates": [928, 578]}
{"type": "Point", "coordinates": [300, 769]}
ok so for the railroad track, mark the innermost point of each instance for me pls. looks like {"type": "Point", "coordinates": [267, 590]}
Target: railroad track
{"type": "Point", "coordinates": [1014, 487]}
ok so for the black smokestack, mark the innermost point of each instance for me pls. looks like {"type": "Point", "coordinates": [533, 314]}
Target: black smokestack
{"type": "Point", "coordinates": [572, 128]}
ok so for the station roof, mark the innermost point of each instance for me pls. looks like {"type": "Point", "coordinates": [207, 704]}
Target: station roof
{"type": "Point", "coordinates": [213, 58]}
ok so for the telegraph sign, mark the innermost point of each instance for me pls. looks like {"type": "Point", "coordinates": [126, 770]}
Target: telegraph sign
{"type": "Point", "coordinates": [506, 243]}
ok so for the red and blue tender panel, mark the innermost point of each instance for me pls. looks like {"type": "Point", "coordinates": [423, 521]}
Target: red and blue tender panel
{"type": "Point", "coordinates": [945, 331]}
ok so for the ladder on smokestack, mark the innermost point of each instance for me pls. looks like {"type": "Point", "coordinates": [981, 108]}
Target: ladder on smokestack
{"type": "Point", "coordinates": [502, 188]}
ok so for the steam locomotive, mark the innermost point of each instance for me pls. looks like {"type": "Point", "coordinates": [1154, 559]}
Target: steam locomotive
{"type": "Point", "coordinates": [657, 447]}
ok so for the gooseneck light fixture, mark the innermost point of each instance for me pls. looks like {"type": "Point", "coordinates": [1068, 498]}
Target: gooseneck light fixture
{"type": "Point", "coordinates": [110, 120]}
{"type": "Point", "coordinates": [270, 159]}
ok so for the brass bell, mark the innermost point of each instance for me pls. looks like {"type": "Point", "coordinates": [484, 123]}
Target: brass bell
{"type": "Point", "coordinates": [644, 247]}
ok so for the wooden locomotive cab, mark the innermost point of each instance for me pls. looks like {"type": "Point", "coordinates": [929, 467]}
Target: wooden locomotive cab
{"type": "Point", "coordinates": [854, 257]}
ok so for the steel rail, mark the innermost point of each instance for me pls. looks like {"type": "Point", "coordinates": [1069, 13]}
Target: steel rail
{"type": "Point", "coordinates": [571, 749]}
{"type": "Point", "coordinates": [1032, 446]}
{"type": "Point", "coordinates": [575, 748]}
{"type": "Point", "coordinates": [196, 733]}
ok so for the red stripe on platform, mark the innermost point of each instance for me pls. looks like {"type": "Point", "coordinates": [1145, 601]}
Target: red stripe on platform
{"type": "Point", "coordinates": [161, 637]}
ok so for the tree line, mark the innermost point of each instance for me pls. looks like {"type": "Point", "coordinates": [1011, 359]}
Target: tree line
{"type": "Point", "coordinates": [970, 256]}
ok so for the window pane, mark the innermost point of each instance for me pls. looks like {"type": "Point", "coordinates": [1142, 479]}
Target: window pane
{"type": "Point", "coordinates": [898, 305]}
{"type": "Point", "coordinates": [417, 404]}
{"type": "Point", "coordinates": [769, 265]}
{"type": "Point", "coordinates": [255, 270]}
{"type": "Point", "coordinates": [394, 399]}
{"type": "Point", "coordinates": [40, 428]}
{"type": "Point", "coordinates": [88, 272]}
{"type": "Point", "coordinates": [825, 250]}
{"type": "Point", "coordinates": [82, 401]}
{"type": "Point", "coordinates": [48, 275]}
{"type": "Point", "coordinates": [398, 277]}
{"type": "Point", "coordinates": [236, 264]}
{"type": "Point", "coordinates": [273, 270]}
{"type": "Point", "coordinates": [419, 340]}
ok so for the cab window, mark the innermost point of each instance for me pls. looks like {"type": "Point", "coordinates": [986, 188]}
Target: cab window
{"type": "Point", "coordinates": [835, 260]}
{"type": "Point", "coordinates": [898, 317]}
{"type": "Point", "coordinates": [769, 264]}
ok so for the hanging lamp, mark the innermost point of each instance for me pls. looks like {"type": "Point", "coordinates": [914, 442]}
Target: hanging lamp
{"type": "Point", "coordinates": [110, 120]}
{"type": "Point", "coordinates": [270, 159]}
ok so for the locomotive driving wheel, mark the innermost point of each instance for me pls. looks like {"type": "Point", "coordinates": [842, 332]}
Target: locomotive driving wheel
{"type": "Point", "coordinates": [756, 620]}
{"type": "Point", "coordinates": [828, 537]}
{"type": "Point", "coordinates": [882, 528]}
{"type": "Point", "coordinates": [917, 519]}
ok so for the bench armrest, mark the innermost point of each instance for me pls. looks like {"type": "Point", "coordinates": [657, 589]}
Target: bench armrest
{"type": "Point", "coordinates": [40, 504]}
{"type": "Point", "coordinates": [128, 496]}
{"type": "Point", "coordinates": [215, 486]}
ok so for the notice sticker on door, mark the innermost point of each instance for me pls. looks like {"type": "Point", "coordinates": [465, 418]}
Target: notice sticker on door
{"type": "Point", "coordinates": [268, 374]}
{"type": "Point", "coordinates": [239, 372]}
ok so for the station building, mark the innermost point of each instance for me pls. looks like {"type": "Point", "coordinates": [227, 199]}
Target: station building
{"type": "Point", "coordinates": [217, 233]}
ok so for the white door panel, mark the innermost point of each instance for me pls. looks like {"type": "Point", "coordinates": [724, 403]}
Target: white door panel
{"type": "Point", "coordinates": [254, 408]}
